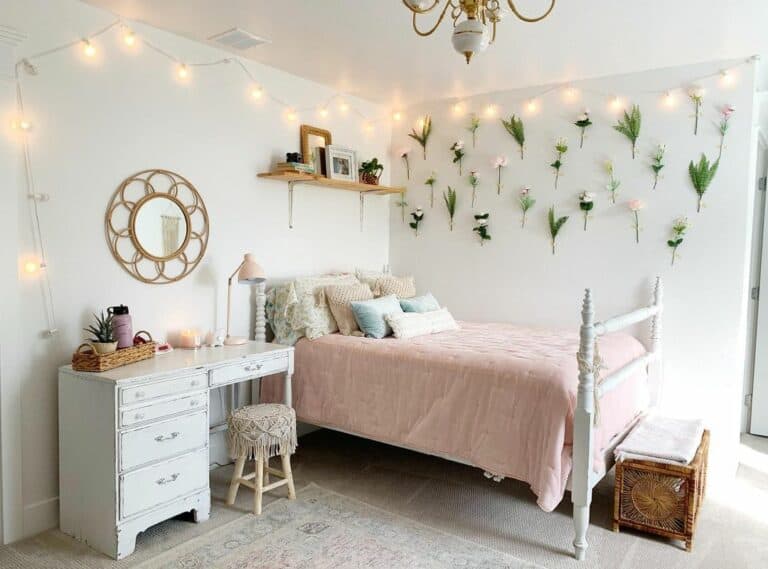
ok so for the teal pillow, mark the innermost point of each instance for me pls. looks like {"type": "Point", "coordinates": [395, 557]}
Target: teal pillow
{"type": "Point", "coordinates": [426, 303]}
{"type": "Point", "coordinates": [370, 315]}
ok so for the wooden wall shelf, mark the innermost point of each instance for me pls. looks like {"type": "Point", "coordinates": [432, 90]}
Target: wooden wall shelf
{"type": "Point", "coordinates": [293, 178]}
{"type": "Point", "coordinates": [316, 180]}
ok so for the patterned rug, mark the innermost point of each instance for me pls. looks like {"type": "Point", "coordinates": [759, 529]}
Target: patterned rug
{"type": "Point", "coordinates": [324, 530]}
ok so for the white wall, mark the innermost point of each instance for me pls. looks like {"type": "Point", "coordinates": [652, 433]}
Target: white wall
{"type": "Point", "coordinates": [97, 122]}
{"type": "Point", "coordinates": [515, 277]}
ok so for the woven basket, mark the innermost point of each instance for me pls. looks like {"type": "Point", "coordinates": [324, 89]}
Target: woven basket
{"type": "Point", "coordinates": [663, 499]}
{"type": "Point", "coordinates": [370, 178]}
{"type": "Point", "coordinates": [85, 357]}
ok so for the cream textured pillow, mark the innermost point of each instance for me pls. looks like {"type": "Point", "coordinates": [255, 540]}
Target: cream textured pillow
{"type": "Point", "coordinates": [310, 314]}
{"type": "Point", "coordinates": [411, 324]}
{"type": "Point", "coordinates": [338, 298]}
{"type": "Point", "coordinates": [401, 287]}
{"type": "Point", "coordinates": [369, 277]}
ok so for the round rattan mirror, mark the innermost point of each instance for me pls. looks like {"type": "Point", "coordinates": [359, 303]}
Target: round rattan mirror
{"type": "Point", "coordinates": [157, 226]}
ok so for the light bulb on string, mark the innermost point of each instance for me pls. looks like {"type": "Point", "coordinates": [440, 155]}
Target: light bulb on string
{"type": "Point", "coordinates": [570, 93]}
{"type": "Point", "coordinates": [490, 111]}
{"type": "Point", "coordinates": [669, 99]}
{"type": "Point", "coordinates": [129, 38]}
{"type": "Point", "coordinates": [33, 266]}
{"type": "Point", "coordinates": [257, 92]}
{"type": "Point", "coordinates": [343, 106]}
{"type": "Point", "coordinates": [397, 116]}
{"type": "Point", "coordinates": [726, 78]}
{"type": "Point", "coordinates": [323, 112]}
{"type": "Point", "coordinates": [182, 71]}
{"type": "Point", "coordinates": [532, 106]}
{"type": "Point", "coordinates": [291, 115]}
{"type": "Point", "coordinates": [616, 103]}
{"type": "Point", "coordinates": [458, 108]}
{"type": "Point", "coordinates": [88, 48]}
{"type": "Point", "coordinates": [22, 124]}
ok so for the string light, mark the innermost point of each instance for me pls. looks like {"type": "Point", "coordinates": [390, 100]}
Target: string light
{"type": "Point", "coordinates": [257, 92]}
{"type": "Point", "coordinates": [129, 38]}
{"type": "Point", "coordinates": [343, 106]}
{"type": "Point", "coordinates": [182, 71]}
{"type": "Point", "coordinates": [368, 127]}
{"type": "Point", "coordinates": [490, 111]}
{"type": "Point", "coordinates": [726, 78]}
{"type": "Point", "coordinates": [397, 116]}
{"type": "Point", "coordinates": [323, 112]}
{"type": "Point", "coordinates": [88, 49]}
{"type": "Point", "coordinates": [458, 108]}
{"type": "Point", "coordinates": [31, 267]}
{"type": "Point", "coordinates": [570, 93]}
{"type": "Point", "coordinates": [617, 103]}
{"type": "Point", "coordinates": [669, 99]}
{"type": "Point", "coordinates": [532, 106]}
{"type": "Point", "coordinates": [291, 115]}
{"type": "Point", "coordinates": [21, 124]}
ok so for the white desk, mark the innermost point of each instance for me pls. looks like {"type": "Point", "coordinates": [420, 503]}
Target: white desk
{"type": "Point", "coordinates": [133, 441]}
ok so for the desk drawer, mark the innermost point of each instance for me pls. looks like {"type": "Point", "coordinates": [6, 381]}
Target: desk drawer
{"type": "Point", "coordinates": [155, 485]}
{"type": "Point", "coordinates": [130, 395]}
{"type": "Point", "coordinates": [248, 369]}
{"type": "Point", "coordinates": [154, 411]}
{"type": "Point", "coordinates": [163, 440]}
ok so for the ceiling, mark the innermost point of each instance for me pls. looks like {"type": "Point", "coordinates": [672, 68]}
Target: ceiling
{"type": "Point", "coordinates": [367, 47]}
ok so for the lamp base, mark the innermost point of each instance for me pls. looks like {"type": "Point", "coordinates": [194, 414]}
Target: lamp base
{"type": "Point", "coordinates": [235, 341]}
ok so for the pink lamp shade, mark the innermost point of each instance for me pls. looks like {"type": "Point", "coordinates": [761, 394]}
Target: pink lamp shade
{"type": "Point", "coordinates": [250, 271]}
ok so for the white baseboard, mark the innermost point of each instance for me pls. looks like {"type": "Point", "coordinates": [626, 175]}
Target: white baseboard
{"type": "Point", "coordinates": [41, 516]}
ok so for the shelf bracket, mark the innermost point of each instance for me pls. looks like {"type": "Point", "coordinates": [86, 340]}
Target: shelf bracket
{"type": "Point", "coordinates": [290, 204]}
{"type": "Point", "coordinates": [362, 210]}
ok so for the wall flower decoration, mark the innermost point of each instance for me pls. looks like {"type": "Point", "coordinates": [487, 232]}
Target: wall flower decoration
{"type": "Point", "coordinates": [526, 202]}
{"type": "Point", "coordinates": [725, 116]}
{"type": "Point", "coordinates": [696, 95]}
{"type": "Point", "coordinates": [458, 153]}
{"type": "Point", "coordinates": [402, 204]}
{"type": "Point", "coordinates": [431, 183]}
{"type": "Point", "coordinates": [635, 206]}
{"type": "Point", "coordinates": [561, 147]}
{"type": "Point", "coordinates": [474, 181]}
{"type": "Point", "coordinates": [629, 126]}
{"type": "Point", "coordinates": [583, 122]}
{"type": "Point", "coordinates": [481, 227]}
{"type": "Point", "coordinates": [474, 124]}
{"type": "Point", "coordinates": [555, 225]}
{"type": "Point", "coordinates": [500, 162]}
{"type": "Point", "coordinates": [613, 184]}
{"type": "Point", "coordinates": [423, 137]}
{"type": "Point", "coordinates": [417, 215]}
{"type": "Point", "coordinates": [403, 153]}
{"type": "Point", "coordinates": [586, 204]}
{"type": "Point", "coordinates": [679, 228]}
{"type": "Point", "coordinates": [516, 129]}
{"type": "Point", "coordinates": [657, 163]}
{"type": "Point", "coordinates": [701, 175]}
{"type": "Point", "coordinates": [449, 198]}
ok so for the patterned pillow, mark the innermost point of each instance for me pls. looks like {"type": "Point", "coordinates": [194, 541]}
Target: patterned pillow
{"type": "Point", "coordinates": [339, 298]}
{"type": "Point", "coordinates": [369, 277]}
{"type": "Point", "coordinates": [310, 314]}
{"type": "Point", "coordinates": [411, 324]}
{"type": "Point", "coordinates": [279, 298]}
{"type": "Point", "coordinates": [370, 315]}
{"type": "Point", "coordinates": [401, 287]}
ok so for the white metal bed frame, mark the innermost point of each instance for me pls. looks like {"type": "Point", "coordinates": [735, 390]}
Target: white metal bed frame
{"type": "Point", "coordinates": [583, 476]}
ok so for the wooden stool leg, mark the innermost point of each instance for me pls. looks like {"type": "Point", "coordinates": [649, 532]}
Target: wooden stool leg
{"type": "Point", "coordinates": [235, 484]}
{"type": "Point", "coordinates": [266, 471]}
{"type": "Point", "coordinates": [259, 486]}
{"type": "Point", "coordinates": [288, 475]}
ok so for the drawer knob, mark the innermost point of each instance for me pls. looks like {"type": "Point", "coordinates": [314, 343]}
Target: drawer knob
{"type": "Point", "coordinates": [161, 438]}
{"type": "Point", "coordinates": [140, 395]}
{"type": "Point", "coordinates": [194, 403]}
{"type": "Point", "coordinates": [139, 416]}
{"type": "Point", "coordinates": [163, 481]}
{"type": "Point", "coordinates": [256, 367]}
{"type": "Point", "coordinates": [195, 383]}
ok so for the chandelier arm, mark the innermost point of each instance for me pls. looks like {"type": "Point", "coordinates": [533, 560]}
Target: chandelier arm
{"type": "Point", "coordinates": [530, 20]}
{"type": "Point", "coordinates": [420, 10]}
{"type": "Point", "coordinates": [439, 21]}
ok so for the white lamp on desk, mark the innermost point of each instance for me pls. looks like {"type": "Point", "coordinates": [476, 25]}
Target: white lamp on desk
{"type": "Point", "coordinates": [249, 272]}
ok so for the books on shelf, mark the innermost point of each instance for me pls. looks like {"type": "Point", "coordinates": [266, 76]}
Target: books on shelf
{"type": "Point", "coordinates": [295, 167]}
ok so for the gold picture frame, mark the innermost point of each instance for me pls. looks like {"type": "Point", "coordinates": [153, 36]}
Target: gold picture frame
{"type": "Point", "coordinates": [307, 134]}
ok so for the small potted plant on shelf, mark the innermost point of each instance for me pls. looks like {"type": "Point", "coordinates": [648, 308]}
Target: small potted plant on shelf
{"type": "Point", "coordinates": [370, 171]}
{"type": "Point", "coordinates": [103, 340]}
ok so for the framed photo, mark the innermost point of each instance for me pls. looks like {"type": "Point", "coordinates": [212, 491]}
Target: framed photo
{"type": "Point", "coordinates": [313, 143]}
{"type": "Point", "coordinates": [340, 163]}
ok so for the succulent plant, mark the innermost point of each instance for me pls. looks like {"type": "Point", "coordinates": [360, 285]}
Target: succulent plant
{"type": "Point", "coordinates": [102, 330]}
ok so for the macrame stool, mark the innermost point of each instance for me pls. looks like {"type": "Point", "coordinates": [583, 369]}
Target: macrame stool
{"type": "Point", "coordinates": [259, 432]}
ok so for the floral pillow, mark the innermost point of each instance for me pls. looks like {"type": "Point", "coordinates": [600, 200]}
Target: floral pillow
{"type": "Point", "coordinates": [279, 298]}
{"type": "Point", "coordinates": [309, 315]}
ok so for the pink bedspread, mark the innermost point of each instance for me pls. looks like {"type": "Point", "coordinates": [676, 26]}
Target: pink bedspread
{"type": "Point", "coordinates": [497, 396]}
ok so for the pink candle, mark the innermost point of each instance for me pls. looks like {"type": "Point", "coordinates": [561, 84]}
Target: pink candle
{"type": "Point", "coordinates": [189, 339]}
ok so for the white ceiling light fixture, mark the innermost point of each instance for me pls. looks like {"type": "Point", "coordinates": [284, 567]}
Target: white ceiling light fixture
{"type": "Point", "coordinates": [471, 35]}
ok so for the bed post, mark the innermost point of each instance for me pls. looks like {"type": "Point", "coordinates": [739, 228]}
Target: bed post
{"type": "Point", "coordinates": [656, 369]}
{"type": "Point", "coordinates": [260, 326]}
{"type": "Point", "coordinates": [581, 481]}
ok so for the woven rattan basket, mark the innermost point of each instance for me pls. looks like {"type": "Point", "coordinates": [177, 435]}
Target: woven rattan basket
{"type": "Point", "coordinates": [663, 499]}
{"type": "Point", "coordinates": [85, 357]}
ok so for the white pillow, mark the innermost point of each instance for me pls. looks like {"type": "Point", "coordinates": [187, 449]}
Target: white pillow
{"type": "Point", "coordinates": [411, 324]}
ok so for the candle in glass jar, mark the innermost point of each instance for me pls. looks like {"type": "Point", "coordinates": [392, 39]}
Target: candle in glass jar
{"type": "Point", "coordinates": [189, 339]}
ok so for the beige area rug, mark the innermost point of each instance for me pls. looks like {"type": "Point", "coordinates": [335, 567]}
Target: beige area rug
{"type": "Point", "coordinates": [321, 529]}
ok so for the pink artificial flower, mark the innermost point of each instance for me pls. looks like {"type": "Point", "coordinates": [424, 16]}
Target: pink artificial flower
{"type": "Point", "coordinates": [635, 205]}
{"type": "Point", "coordinates": [728, 110]}
{"type": "Point", "coordinates": [500, 162]}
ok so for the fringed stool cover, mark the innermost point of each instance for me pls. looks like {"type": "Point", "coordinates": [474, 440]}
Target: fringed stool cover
{"type": "Point", "coordinates": [262, 431]}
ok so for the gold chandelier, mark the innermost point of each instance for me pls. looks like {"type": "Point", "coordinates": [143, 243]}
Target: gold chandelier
{"type": "Point", "coordinates": [470, 35]}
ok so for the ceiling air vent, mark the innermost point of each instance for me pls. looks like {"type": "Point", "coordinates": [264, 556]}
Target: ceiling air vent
{"type": "Point", "coordinates": [238, 39]}
{"type": "Point", "coordinates": [10, 36]}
